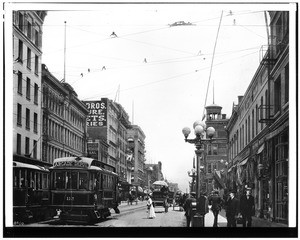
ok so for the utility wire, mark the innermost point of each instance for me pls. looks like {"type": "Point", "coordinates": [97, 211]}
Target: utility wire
{"type": "Point", "coordinates": [212, 61]}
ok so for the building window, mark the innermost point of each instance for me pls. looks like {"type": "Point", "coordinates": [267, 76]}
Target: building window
{"type": "Point", "coordinates": [27, 119]}
{"type": "Point", "coordinates": [36, 93]}
{"type": "Point", "coordinates": [21, 21]}
{"type": "Point", "coordinates": [20, 82]}
{"type": "Point", "coordinates": [28, 88]}
{"type": "Point", "coordinates": [249, 126]}
{"type": "Point", "coordinates": [35, 122]}
{"type": "Point", "coordinates": [277, 94]}
{"type": "Point", "coordinates": [18, 143]}
{"type": "Point", "coordinates": [256, 125]}
{"type": "Point", "coordinates": [261, 111]}
{"type": "Point", "coordinates": [209, 152]}
{"type": "Point", "coordinates": [36, 38]}
{"type": "Point", "coordinates": [208, 168]}
{"type": "Point", "coordinates": [215, 149]}
{"type": "Point", "coordinates": [26, 145]}
{"type": "Point", "coordinates": [286, 83]}
{"type": "Point", "coordinates": [253, 121]}
{"type": "Point", "coordinates": [246, 132]}
{"type": "Point", "coordinates": [19, 114]}
{"type": "Point", "coordinates": [36, 65]}
{"type": "Point", "coordinates": [20, 51]}
{"type": "Point", "coordinates": [34, 151]}
{"type": "Point", "coordinates": [29, 30]}
{"type": "Point", "coordinates": [29, 58]}
{"type": "Point", "coordinates": [267, 105]}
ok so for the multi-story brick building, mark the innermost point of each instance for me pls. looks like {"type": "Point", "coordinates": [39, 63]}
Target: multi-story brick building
{"type": "Point", "coordinates": [258, 128]}
{"type": "Point", "coordinates": [215, 153]}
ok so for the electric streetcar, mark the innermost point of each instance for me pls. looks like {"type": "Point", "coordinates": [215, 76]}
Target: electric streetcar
{"type": "Point", "coordinates": [30, 193]}
{"type": "Point", "coordinates": [83, 189]}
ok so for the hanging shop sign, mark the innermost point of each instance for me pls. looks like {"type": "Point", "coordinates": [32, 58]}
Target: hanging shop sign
{"type": "Point", "coordinates": [93, 150]}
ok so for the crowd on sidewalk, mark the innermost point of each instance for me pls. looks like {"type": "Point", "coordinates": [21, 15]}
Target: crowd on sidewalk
{"type": "Point", "coordinates": [236, 211]}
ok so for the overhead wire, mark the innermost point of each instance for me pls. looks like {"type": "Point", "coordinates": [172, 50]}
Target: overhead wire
{"type": "Point", "coordinates": [212, 61]}
{"type": "Point", "coordinates": [161, 80]}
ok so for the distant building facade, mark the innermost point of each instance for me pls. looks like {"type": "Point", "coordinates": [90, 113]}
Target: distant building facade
{"type": "Point", "coordinates": [107, 128]}
{"type": "Point", "coordinates": [136, 143]}
{"type": "Point", "coordinates": [64, 119]}
{"type": "Point", "coordinates": [215, 153]}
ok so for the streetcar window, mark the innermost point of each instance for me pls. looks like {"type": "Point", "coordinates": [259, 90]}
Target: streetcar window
{"type": "Point", "coordinates": [105, 181]}
{"type": "Point", "coordinates": [92, 177]}
{"type": "Point", "coordinates": [60, 180]}
{"type": "Point", "coordinates": [44, 181]}
{"type": "Point", "coordinates": [16, 177]}
{"type": "Point", "coordinates": [22, 179]}
{"type": "Point", "coordinates": [83, 180]}
{"type": "Point", "coordinates": [71, 180]}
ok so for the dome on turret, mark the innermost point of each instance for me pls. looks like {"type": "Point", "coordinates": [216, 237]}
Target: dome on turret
{"type": "Point", "coordinates": [214, 112]}
{"type": "Point", "coordinates": [213, 108]}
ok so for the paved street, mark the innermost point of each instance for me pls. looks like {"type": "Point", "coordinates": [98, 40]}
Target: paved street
{"type": "Point", "coordinates": [135, 215]}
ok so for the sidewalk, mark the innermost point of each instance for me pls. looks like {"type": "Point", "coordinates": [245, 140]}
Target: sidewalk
{"type": "Point", "coordinates": [256, 222]}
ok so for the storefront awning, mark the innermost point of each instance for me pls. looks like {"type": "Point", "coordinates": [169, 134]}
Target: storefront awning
{"type": "Point", "coordinates": [229, 170]}
{"type": "Point", "coordinates": [243, 162]}
{"type": "Point", "coordinates": [218, 178]}
{"type": "Point", "coordinates": [261, 148]}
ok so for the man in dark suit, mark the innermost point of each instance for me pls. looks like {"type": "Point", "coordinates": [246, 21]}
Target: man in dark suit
{"type": "Point", "coordinates": [247, 208]}
{"type": "Point", "coordinates": [216, 205]}
{"type": "Point", "coordinates": [187, 206]}
{"type": "Point", "coordinates": [232, 209]}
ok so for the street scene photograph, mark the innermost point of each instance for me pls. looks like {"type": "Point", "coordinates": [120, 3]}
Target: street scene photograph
{"type": "Point", "coordinates": [150, 119]}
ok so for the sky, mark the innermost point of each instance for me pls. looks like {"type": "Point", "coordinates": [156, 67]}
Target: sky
{"type": "Point", "coordinates": [157, 72]}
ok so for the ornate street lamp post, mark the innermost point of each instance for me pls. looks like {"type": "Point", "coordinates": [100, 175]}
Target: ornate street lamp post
{"type": "Point", "coordinates": [192, 174]}
{"type": "Point", "coordinates": [199, 129]}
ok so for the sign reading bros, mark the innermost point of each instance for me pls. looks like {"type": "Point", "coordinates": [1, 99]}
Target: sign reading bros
{"type": "Point", "coordinates": [97, 116]}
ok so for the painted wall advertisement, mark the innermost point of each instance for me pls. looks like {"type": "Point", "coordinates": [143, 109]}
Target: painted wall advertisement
{"type": "Point", "coordinates": [97, 116]}
{"type": "Point", "coordinates": [93, 150]}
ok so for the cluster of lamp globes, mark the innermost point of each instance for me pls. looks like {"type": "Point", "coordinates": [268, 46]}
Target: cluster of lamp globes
{"type": "Point", "coordinates": [199, 130]}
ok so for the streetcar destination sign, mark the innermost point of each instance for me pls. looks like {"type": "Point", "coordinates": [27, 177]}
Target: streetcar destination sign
{"type": "Point", "coordinates": [71, 164]}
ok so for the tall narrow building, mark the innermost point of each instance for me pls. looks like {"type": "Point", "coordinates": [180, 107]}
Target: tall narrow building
{"type": "Point", "coordinates": [27, 108]}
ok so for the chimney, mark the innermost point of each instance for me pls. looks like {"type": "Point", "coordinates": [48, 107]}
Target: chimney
{"type": "Point", "coordinates": [240, 99]}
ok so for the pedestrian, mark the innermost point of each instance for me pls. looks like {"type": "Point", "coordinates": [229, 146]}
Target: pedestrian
{"type": "Point", "coordinates": [247, 208]}
{"type": "Point", "coordinates": [187, 206]}
{"type": "Point", "coordinates": [232, 209]}
{"type": "Point", "coordinates": [216, 205]}
{"type": "Point", "coordinates": [150, 208]}
{"type": "Point", "coordinates": [166, 205]}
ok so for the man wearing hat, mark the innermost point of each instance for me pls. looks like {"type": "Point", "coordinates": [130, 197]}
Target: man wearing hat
{"type": "Point", "coordinates": [216, 205]}
{"type": "Point", "coordinates": [232, 209]}
{"type": "Point", "coordinates": [247, 208]}
{"type": "Point", "coordinates": [187, 206]}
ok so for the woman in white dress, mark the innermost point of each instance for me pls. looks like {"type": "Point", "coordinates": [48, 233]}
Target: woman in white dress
{"type": "Point", "coordinates": [151, 212]}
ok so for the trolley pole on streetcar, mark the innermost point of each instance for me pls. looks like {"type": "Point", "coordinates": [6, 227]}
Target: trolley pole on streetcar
{"type": "Point", "coordinates": [199, 142]}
